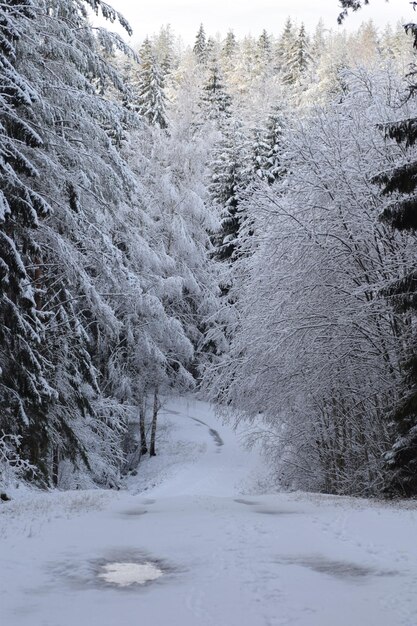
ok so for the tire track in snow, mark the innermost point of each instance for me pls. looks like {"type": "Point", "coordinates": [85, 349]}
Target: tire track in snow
{"type": "Point", "coordinates": [214, 433]}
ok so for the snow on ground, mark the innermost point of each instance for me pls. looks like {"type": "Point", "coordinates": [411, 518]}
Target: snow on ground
{"type": "Point", "coordinates": [229, 555]}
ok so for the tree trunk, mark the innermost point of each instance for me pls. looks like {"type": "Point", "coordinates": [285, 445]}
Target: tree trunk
{"type": "Point", "coordinates": [55, 466]}
{"type": "Point", "coordinates": [142, 430]}
{"type": "Point", "coordinates": [156, 407]}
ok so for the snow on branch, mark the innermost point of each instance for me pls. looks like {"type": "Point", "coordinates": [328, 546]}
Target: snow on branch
{"type": "Point", "coordinates": [11, 463]}
{"type": "Point", "coordinates": [110, 14]}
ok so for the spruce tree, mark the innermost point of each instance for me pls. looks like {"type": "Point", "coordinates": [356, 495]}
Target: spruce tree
{"type": "Point", "coordinates": [230, 46]}
{"type": "Point", "coordinates": [298, 59]}
{"type": "Point", "coordinates": [164, 50]}
{"type": "Point", "coordinates": [401, 214]}
{"type": "Point", "coordinates": [215, 101]}
{"type": "Point", "coordinates": [264, 47]}
{"type": "Point", "coordinates": [285, 45]}
{"type": "Point", "coordinates": [151, 99]}
{"type": "Point", "coordinates": [228, 179]}
{"type": "Point", "coordinates": [200, 46]}
{"type": "Point", "coordinates": [25, 394]}
{"type": "Point", "coordinates": [268, 148]}
{"type": "Point", "coordinates": [55, 320]}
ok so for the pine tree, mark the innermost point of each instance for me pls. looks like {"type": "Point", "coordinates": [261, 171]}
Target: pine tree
{"type": "Point", "coordinates": [215, 101]}
{"type": "Point", "coordinates": [25, 394]}
{"type": "Point", "coordinates": [200, 46]}
{"type": "Point", "coordinates": [228, 179]}
{"type": "Point", "coordinates": [151, 99]}
{"type": "Point", "coordinates": [57, 320]}
{"type": "Point", "coordinates": [367, 46]}
{"type": "Point", "coordinates": [401, 215]}
{"type": "Point", "coordinates": [297, 59]}
{"type": "Point", "coordinates": [268, 148]}
{"type": "Point", "coordinates": [259, 150]}
{"type": "Point", "coordinates": [230, 46]}
{"type": "Point", "coordinates": [285, 45]}
{"type": "Point", "coordinates": [264, 47]}
{"type": "Point", "coordinates": [211, 50]}
{"type": "Point", "coordinates": [319, 41]}
{"type": "Point", "coordinates": [165, 51]}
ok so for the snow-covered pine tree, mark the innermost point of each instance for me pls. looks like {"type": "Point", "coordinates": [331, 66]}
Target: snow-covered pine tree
{"type": "Point", "coordinates": [25, 394]}
{"type": "Point", "coordinates": [212, 49]}
{"type": "Point", "coordinates": [215, 101]}
{"type": "Point", "coordinates": [268, 147]}
{"type": "Point", "coordinates": [151, 99]}
{"type": "Point", "coordinates": [298, 59]}
{"type": "Point", "coordinates": [76, 270]}
{"type": "Point", "coordinates": [285, 46]}
{"type": "Point", "coordinates": [230, 46]}
{"type": "Point", "coordinates": [164, 49]}
{"type": "Point", "coordinates": [318, 44]}
{"type": "Point", "coordinates": [264, 45]}
{"type": "Point", "coordinates": [400, 184]}
{"type": "Point", "coordinates": [366, 43]}
{"type": "Point", "coordinates": [396, 44]}
{"type": "Point", "coordinates": [259, 149]}
{"type": "Point", "coordinates": [200, 46]}
{"type": "Point", "coordinates": [229, 168]}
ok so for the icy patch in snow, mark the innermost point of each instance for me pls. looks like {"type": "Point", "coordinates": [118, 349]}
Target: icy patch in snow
{"type": "Point", "coordinates": [339, 569]}
{"type": "Point", "coordinates": [266, 511]}
{"type": "Point", "coordinates": [247, 502]}
{"type": "Point", "coordinates": [125, 574]}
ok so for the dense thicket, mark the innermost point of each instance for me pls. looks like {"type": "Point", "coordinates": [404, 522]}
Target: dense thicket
{"type": "Point", "coordinates": [399, 184]}
{"type": "Point", "coordinates": [317, 355]}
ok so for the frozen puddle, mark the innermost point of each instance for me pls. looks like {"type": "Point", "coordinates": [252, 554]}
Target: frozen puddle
{"type": "Point", "coordinates": [125, 574]}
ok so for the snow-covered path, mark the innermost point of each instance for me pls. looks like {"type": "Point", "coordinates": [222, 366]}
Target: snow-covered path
{"type": "Point", "coordinates": [231, 555]}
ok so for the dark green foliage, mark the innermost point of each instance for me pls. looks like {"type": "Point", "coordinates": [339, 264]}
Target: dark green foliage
{"type": "Point", "coordinates": [354, 5]}
{"type": "Point", "coordinates": [404, 132]}
{"type": "Point", "coordinates": [401, 214]}
{"type": "Point", "coordinates": [402, 179]}
{"type": "Point", "coordinates": [403, 293]}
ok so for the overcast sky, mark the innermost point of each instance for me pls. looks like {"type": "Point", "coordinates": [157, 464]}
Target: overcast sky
{"type": "Point", "coordinates": [249, 16]}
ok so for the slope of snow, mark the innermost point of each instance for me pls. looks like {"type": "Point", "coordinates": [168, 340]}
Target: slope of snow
{"type": "Point", "coordinates": [229, 555]}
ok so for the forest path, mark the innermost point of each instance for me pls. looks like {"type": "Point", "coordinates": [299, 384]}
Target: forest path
{"type": "Point", "coordinates": [229, 554]}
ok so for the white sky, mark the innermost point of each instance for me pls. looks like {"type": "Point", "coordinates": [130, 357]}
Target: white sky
{"type": "Point", "coordinates": [249, 16]}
